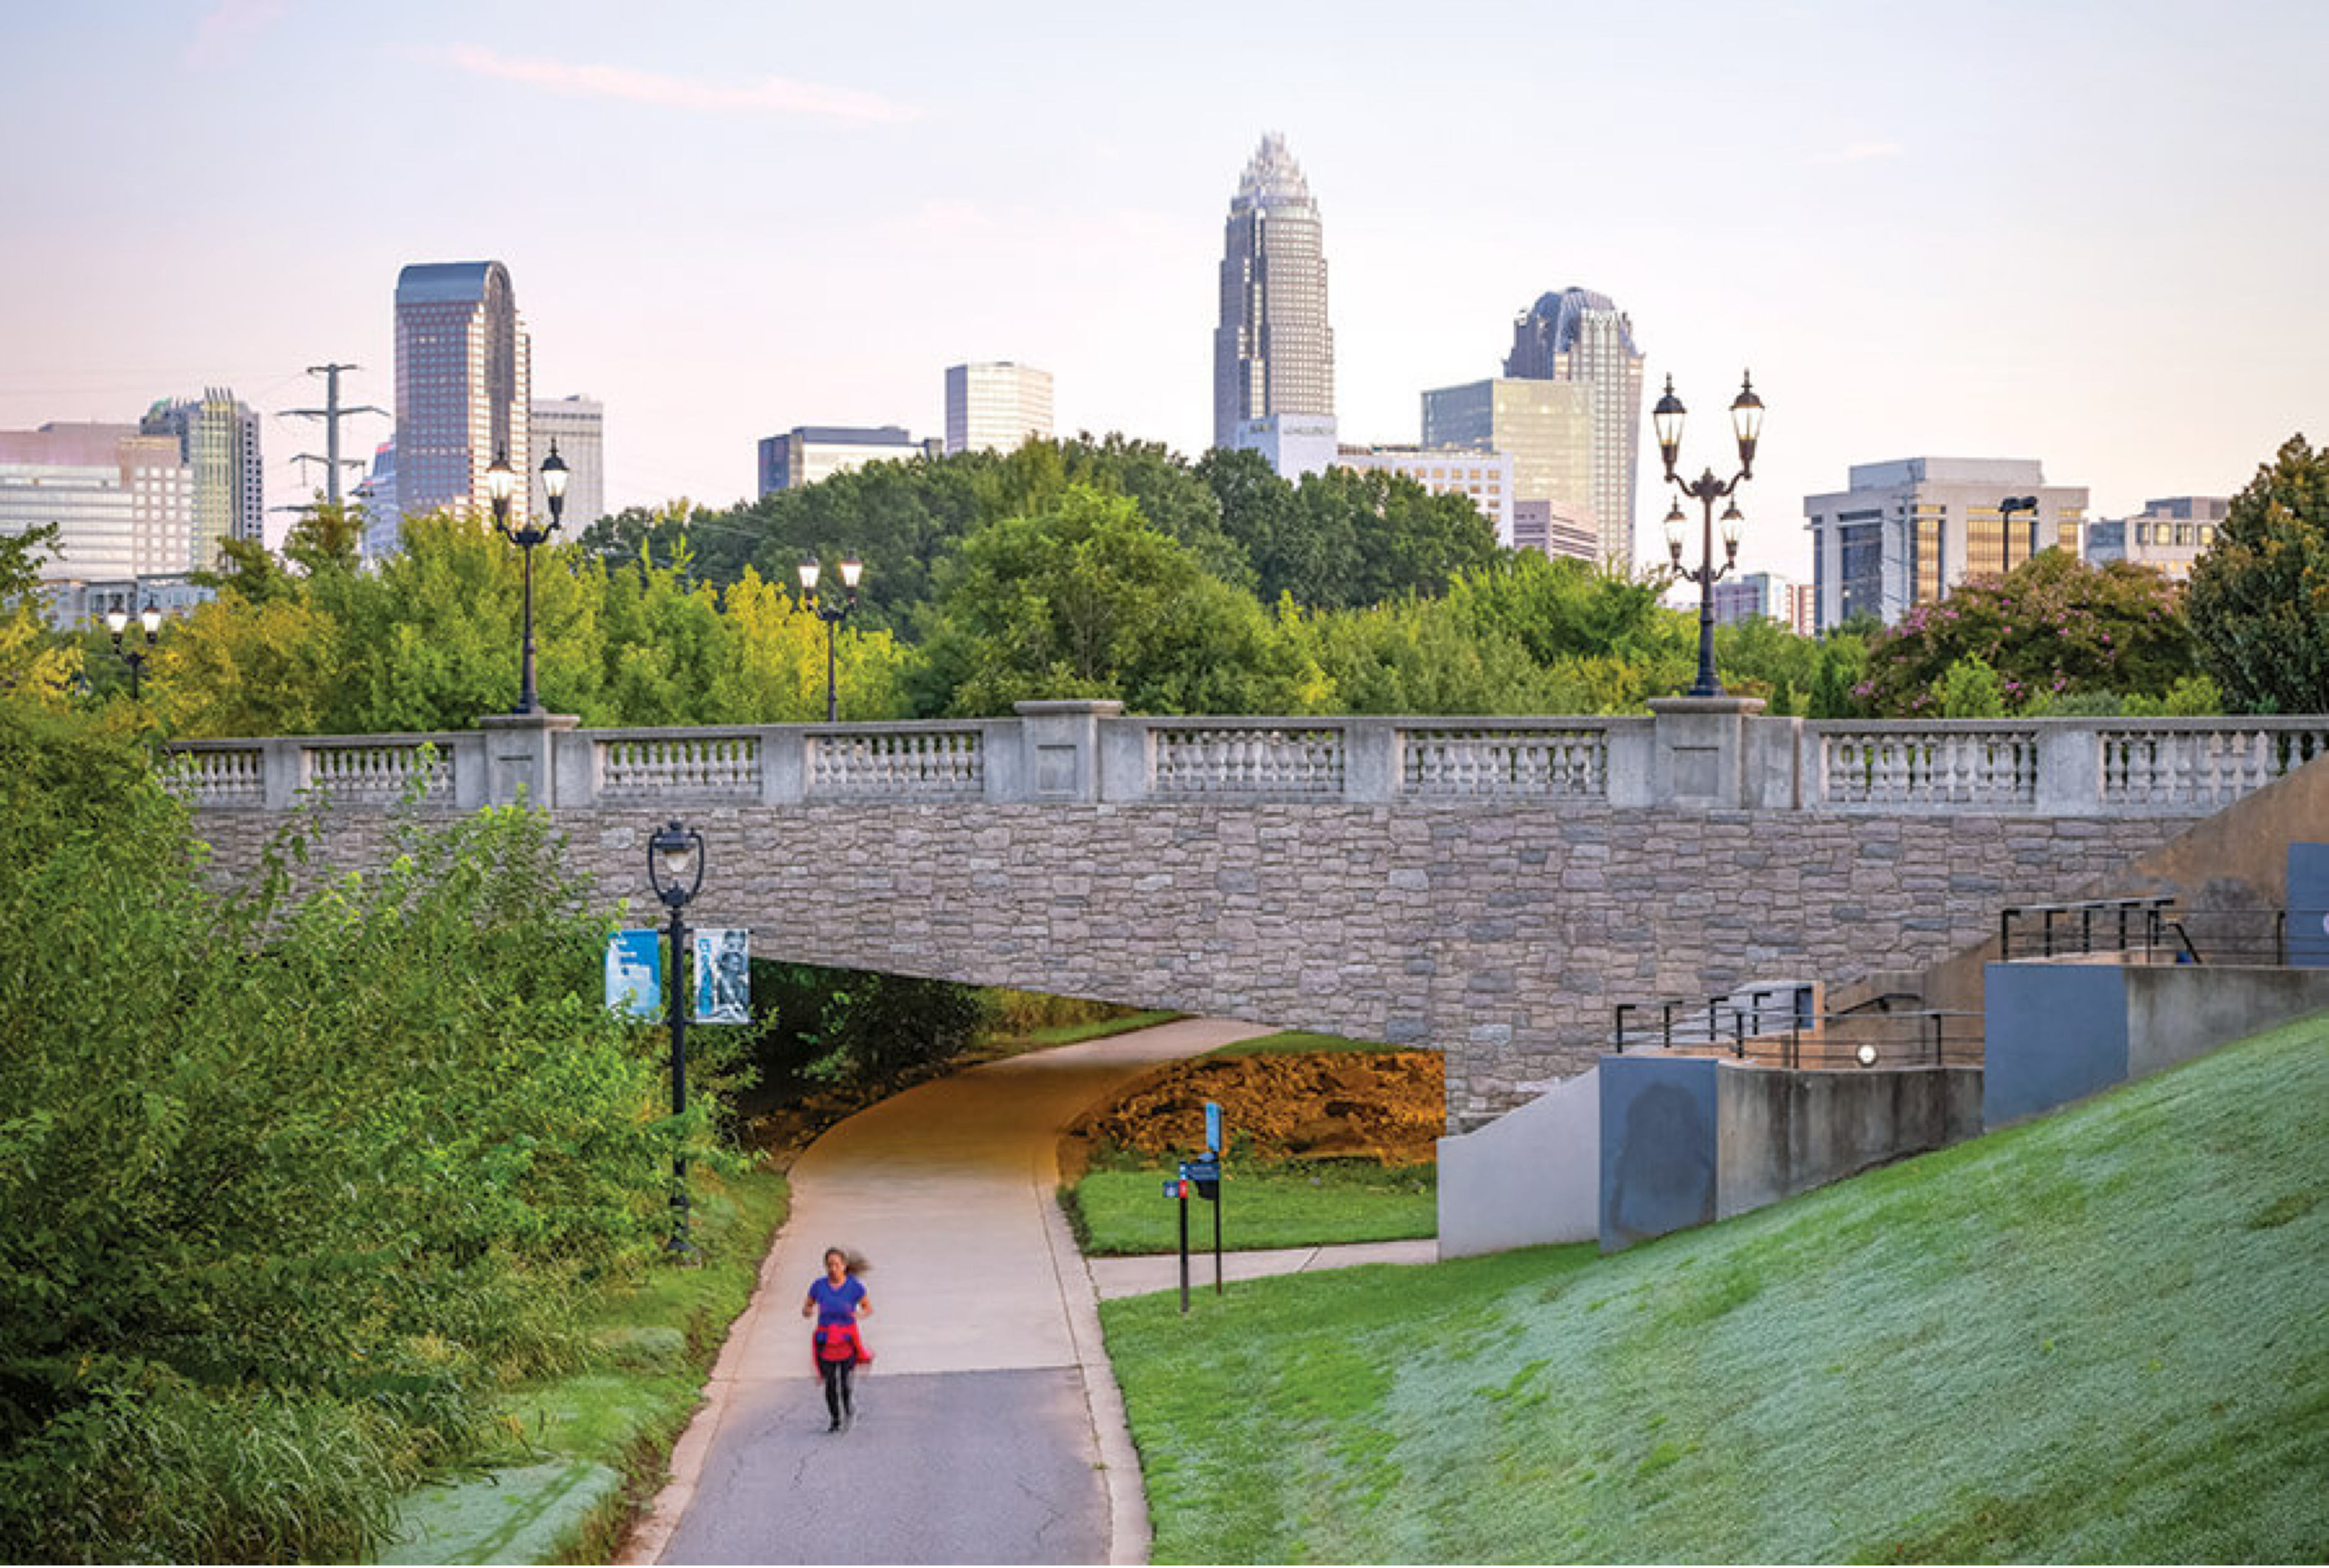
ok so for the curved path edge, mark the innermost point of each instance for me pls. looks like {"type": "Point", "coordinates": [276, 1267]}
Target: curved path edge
{"type": "Point", "coordinates": [743, 1356]}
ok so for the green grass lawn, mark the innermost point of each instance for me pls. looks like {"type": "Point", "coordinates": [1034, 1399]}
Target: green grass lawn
{"type": "Point", "coordinates": [1125, 1211]}
{"type": "Point", "coordinates": [2102, 1337]}
{"type": "Point", "coordinates": [1295, 1042]}
{"type": "Point", "coordinates": [597, 1440]}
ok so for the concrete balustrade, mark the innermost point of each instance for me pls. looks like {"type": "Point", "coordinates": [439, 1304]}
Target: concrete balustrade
{"type": "Point", "coordinates": [1711, 753]}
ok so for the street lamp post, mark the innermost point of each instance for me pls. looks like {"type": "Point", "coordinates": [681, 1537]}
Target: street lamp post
{"type": "Point", "coordinates": [833, 615]}
{"type": "Point", "coordinates": [1747, 424]}
{"type": "Point", "coordinates": [117, 621]}
{"type": "Point", "coordinates": [501, 483]}
{"type": "Point", "coordinates": [675, 871]}
{"type": "Point", "coordinates": [2006, 508]}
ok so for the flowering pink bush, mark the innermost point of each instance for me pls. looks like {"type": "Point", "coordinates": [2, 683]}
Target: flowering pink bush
{"type": "Point", "coordinates": [2054, 625]}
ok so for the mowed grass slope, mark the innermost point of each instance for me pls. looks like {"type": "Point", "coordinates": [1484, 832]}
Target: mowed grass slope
{"type": "Point", "coordinates": [2100, 1336]}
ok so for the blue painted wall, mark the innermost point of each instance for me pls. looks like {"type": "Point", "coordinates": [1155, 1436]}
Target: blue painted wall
{"type": "Point", "coordinates": [2055, 1032]}
{"type": "Point", "coordinates": [1657, 1146]}
{"type": "Point", "coordinates": [2309, 905]}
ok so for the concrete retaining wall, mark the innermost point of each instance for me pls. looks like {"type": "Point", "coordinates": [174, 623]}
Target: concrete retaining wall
{"type": "Point", "coordinates": [1687, 1140]}
{"type": "Point", "coordinates": [1530, 1178]}
{"type": "Point", "coordinates": [1783, 1133]}
{"type": "Point", "coordinates": [2061, 1031]}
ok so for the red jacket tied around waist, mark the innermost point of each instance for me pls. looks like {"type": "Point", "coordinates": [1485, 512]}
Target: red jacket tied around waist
{"type": "Point", "coordinates": [837, 1341]}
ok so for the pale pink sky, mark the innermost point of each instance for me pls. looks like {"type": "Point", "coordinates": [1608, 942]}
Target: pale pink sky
{"type": "Point", "coordinates": [2089, 233]}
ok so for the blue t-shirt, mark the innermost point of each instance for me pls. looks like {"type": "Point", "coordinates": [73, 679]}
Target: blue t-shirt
{"type": "Point", "coordinates": [837, 1305]}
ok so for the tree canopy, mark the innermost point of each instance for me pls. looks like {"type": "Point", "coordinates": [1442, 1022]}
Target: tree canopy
{"type": "Point", "coordinates": [2260, 596]}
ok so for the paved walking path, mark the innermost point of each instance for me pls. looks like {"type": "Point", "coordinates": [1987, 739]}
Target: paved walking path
{"type": "Point", "coordinates": [988, 1428]}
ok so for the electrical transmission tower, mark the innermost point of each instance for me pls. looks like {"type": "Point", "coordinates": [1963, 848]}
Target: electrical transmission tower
{"type": "Point", "coordinates": [331, 413]}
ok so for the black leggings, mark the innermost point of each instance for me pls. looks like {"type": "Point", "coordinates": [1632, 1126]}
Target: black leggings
{"type": "Point", "coordinates": [836, 1383]}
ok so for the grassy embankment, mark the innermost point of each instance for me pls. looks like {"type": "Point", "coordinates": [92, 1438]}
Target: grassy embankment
{"type": "Point", "coordinates": [1119, 1211]}
{"type": "Point", "coordinates": [2102, 1337]}
{"type": "Point", "coordinates": [597, 1442]}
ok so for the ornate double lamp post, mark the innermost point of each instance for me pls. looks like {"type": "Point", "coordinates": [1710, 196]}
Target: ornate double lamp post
{"type": "Point", "coordinates": [117, 621]}
{"type": "Point", "coordinates": [501, 484]}
{"type": "Point", "coordinates": [833, 615]}
{"type": "Point", "coordinates": [1747, 424]}
{"type": "Point", "coordinates": [675, 872]}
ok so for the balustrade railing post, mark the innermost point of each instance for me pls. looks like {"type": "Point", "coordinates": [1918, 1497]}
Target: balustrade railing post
{"type": "Point", "coordinates": [1370, 760]}
{"type": "Point", "coordinates": [1060, 745]}
{"type": "Point", "coordinates": [288, 763]}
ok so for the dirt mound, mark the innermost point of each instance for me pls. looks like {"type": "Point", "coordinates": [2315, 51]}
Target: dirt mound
{"type": "Point", "coordinates": [1386, 1106]}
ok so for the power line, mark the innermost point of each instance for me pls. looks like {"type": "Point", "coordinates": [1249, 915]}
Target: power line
{"type": "Point", "coordinates": [331, 413]}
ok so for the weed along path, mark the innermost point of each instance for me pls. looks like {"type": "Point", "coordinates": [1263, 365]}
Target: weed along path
{"type": "Point", "coordinates": [976, 1438]}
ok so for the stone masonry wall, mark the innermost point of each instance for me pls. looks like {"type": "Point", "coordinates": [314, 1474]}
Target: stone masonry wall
{"type": "Point", "coordinates": [1503, 936]}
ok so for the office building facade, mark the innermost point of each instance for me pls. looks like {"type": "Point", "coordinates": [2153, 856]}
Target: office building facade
{"type": "Point", "coordinates": [218, 440]}
{"type": "Point", "coordinates": [809, 453]}
{"type": "Point", "coordinates": [577, 426]}
{"type": "Point", "coordinates": [464, 386]}
{"type": "Point", "coordinates": [2168, 534]}
{"type": "Point", "coordinates": [374, 496]}
{"type": "Point", "coordinates": [1908, 531]}
{"type": "Point", "coordinates": [1580, 336]}
{"type": "Point", "coordinates": [1550, 529]}
{"type": "Point", "coordinates": [996, 407]}
{"type": "Point", "coordinates": [1547, 429]}
{"type": "Point", "coordinates": [1273, 351]}
{"type": "Point", "coordinates": [123, 500]}
{"type": "Point", "coordinates": [1769, 595]}
{"type": "Point", "coordinates": [1484, 478]}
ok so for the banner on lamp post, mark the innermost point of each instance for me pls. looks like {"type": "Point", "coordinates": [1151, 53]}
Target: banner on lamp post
{"type": "Point", "coordinates": [723, 975]}
{"type": "Point", "coordinates": [635, 974]}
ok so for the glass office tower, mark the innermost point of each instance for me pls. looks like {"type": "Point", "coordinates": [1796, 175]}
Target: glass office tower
{"type": "Point", "coordinates": [462, 386]}
{"type": "Point", "coordinates": [1579, 335]}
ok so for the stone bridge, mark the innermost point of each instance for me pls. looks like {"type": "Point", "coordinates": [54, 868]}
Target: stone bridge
{"type": "Point", "coordinates": [1486, 887]}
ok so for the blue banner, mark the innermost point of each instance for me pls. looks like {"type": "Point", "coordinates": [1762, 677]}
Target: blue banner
{"type": "Point", "coordinates": [635, 975]}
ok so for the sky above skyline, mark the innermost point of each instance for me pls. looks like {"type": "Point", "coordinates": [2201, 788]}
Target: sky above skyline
{"type": "Point", "coordinates": [2095, 235]}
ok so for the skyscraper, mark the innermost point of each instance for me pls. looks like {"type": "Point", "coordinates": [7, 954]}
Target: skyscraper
{"type": "Point", "coordinates": [1579, 335]}
{"type": "Point", "coordinates": [218, 439]}
{"type": "Point", "coordinates": [577, 426]}
{"type": "Point", "coordinates": [996, 407]}
{"type": "Point", "coordinates": [464, 381]}
{"type": "Point", "coordinates": [1273, 352]}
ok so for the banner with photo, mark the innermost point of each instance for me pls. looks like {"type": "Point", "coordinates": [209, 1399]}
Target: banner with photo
{"type": "Point", "coordinates": [635, 974]}
{"type": "Point", "coordinates": [723, 975]}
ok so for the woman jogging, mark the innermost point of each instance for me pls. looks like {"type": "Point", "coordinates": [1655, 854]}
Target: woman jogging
{"type": "Point", "coordinates": [837, 1301]}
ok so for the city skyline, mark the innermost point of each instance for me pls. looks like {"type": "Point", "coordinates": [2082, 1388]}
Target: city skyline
{"type": "Point", "coordinates": [2067, 234]}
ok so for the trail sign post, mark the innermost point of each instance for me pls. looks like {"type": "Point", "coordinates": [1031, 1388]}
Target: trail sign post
{"type": "Point", "coordinates": [1203, 1174]}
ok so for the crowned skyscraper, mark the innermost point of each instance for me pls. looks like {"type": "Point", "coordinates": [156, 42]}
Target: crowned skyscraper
{"type": "Point", "coordinates": [1579, 335]}
{"type": "Point", "coordinates": [1273, 353]}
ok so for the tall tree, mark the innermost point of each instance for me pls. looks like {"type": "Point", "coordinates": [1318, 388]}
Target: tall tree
{"type": "Point", "coordinates": [1088, 600]}
{"type": "Point", "coordinates": [2259, 597]}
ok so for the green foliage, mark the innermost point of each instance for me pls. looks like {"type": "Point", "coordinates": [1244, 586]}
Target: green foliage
{"type": "Point", "coordinates": [2052, 626]}
{"type": "Point", "coordinates": [35, 666]}
{"type": "Point", "coordinates": [2260, 597]}
{"type": "Point", "coordinates": [1970, 689]}
{"type": "Point", "coordinates": [1087, 600]}
{"type": "Point", "coordinates": [857, 1028]}
{"type": "Point", "coordinates": [432, 640]}
{"type": "Point", "coordinates": [2192, 697]}
{"type": "Point", "coordinates": [326, 1166]}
